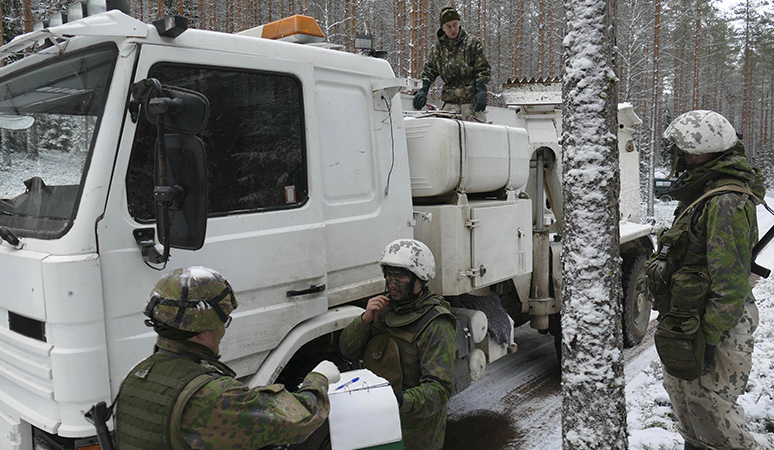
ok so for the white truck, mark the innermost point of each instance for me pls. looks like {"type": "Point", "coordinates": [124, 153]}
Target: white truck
{"type": "Point", "coordinates": [285, 167]}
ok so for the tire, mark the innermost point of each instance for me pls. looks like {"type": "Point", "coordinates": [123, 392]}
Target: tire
{"type": "Point", "coordinates": [637, 303]}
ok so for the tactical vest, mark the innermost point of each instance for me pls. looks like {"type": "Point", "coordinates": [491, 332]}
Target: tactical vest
{"type": "Point", "coordinates": [394, 353]}
{"type": "Point", "coordinates": [679, 280]}
{"type": "Point", "coordinates": [151, 400]}
{"type": "Point", "coordinates": [678, 276]}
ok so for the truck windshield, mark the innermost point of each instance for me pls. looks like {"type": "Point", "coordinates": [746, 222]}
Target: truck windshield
{"type": "Point", "coordinates": [49, 115]}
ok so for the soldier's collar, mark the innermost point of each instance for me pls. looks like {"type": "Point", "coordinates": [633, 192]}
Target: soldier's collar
{"type": "Point", "coordinates": [184, 347]}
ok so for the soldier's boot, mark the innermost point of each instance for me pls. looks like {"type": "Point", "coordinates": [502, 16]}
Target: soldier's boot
{"type": "Point", "coordinates": [689, 446]}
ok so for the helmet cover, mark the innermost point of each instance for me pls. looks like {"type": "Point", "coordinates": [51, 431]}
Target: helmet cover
{"type": "Point", "coordinates": [193, 299]}
{"type": "Point", "coordinates": [411, 255]}
{"type": "Point", "coordinates": [701, 131]}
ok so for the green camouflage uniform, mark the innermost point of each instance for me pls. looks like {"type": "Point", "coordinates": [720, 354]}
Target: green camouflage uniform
{"type": "Point", "coordinates": [717, 248]}
{"type": "Point", "coordinates": [423, 413]}
{"type": "Point", "coordinates": [225, 413]}
{"type": "Point", "coordinates": [461, 64]}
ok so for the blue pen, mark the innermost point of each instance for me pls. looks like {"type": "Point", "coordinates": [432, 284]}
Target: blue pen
{"type": "Point", "coordinates": [348, 383]}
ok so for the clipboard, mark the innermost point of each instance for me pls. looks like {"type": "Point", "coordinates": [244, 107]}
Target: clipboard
{"type": "Point", "coordinates": [364, 413]}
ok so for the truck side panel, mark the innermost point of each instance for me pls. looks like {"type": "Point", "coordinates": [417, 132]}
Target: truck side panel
{"type": "Point", "coordinates": [366, 199]}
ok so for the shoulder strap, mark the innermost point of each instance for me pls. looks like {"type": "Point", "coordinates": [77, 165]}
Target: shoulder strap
{"type": "Point", "coordinates": [176, 436]}
{"type": "Point", "coordinates": [717, 190]}
{"type": "Point", "coordinates": [417, 327]}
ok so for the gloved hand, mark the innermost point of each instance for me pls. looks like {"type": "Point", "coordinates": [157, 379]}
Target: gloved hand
{"type": "Point", "coordinates": [329, 370]}
{"type": "Point", "coordinates": [479, 101]}
{"type": "Point", "coordinates": [420, 98]}
{"type": "Point", "coordinates": [709, 356]}
{"type": "Point", "coordinates": [398, 396]}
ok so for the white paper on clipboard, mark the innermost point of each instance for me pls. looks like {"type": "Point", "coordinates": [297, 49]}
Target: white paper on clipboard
{"type": "Point", "coordinates": [364, 413]}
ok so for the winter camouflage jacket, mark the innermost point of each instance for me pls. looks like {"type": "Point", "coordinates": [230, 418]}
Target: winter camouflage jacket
{"type": "Point", "coordinates": [226, 414]}
{"type": "Point", "coordinates": [717, 245]}
{"type": "Point", "coordinates": [461, 64]}
{"type": "Point", "coordinates": [423, 413]}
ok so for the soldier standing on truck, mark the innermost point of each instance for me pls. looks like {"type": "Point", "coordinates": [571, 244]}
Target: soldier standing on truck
{"type": "Point", "coordinates": [458, 58]}
{"type": "Point", "coordinates": [184, 397]}
{"type": "Point", "coordinates": [407, 336]}
{"type": "Point", "coordinates": [700, 282]}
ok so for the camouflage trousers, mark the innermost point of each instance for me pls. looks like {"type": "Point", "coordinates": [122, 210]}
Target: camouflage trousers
{"type": "Point", "coordinates": [466, 111]}
{"type": "Point", "coordinates": [706, 407]}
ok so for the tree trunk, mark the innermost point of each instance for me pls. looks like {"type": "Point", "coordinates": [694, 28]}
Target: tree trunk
{"type": "Point", "coordinates": [27, 8]}
{"type": "Point", "coordinates": [542, 37]}
{"type": "Point", "coordinates": [593, 384]}
{"type": "Point", "coordinates": [655, 143]}
{"type": "Point", "coordinates": [746, 90]}
{"type": "Point", "coordinates": [696, 51]}
{"type": "Point", "coordinates": [519, 53]}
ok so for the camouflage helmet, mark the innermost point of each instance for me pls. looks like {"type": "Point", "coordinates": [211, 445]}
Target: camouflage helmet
{"type": "Point", "coordinates": [411, 255]}
{"type": "Point", "coordinates": [701, 131]}
{"type": "Point", "coordinates": [193, 299]}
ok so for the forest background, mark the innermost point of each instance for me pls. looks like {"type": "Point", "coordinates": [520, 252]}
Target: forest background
{"type": "Point", "coordinates": [672, 55]}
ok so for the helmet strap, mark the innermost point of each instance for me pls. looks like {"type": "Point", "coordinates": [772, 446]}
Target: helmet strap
{"type": "Point", "coordinates": [167, 332]}
{"type": "Point", "coordinates": [184, 304]}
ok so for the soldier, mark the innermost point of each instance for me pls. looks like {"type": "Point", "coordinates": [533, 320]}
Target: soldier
{"type": "Point", "coordinates": [407, 336]}
{"type": "Point", "coordinates": [184, 397]}
{"type": "Point", "coordinates": [459, 60]}
{"type": "Point", "coordinates": [700, 282]}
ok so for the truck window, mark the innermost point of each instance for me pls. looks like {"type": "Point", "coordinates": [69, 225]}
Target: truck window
{"type": "Point", "coordinates": [49, 117]}
{"type": "Point", "coordinates": [256, 155]}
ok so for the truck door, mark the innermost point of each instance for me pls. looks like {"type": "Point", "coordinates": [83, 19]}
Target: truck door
{"type": "Point", "coordinates": [265, 231]}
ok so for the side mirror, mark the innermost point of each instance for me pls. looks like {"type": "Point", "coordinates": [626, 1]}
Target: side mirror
{"type": "Point", "coordinates": [180, 192]}
{"type": "Point", "coordinates": [181, 204]}
{"type": "Point", "coordinates": [178, 110]}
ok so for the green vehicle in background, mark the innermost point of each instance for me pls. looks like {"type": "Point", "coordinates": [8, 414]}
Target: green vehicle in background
{"type": "Point", "coordinates": [661, 186]}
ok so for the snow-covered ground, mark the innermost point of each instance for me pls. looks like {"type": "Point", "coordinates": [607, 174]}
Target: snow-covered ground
{"type": "Point", "coordinates": [651, 424]}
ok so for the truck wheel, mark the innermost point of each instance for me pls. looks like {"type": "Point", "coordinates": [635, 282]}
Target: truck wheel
{"type": "Point", "coordinates": [636, 300]}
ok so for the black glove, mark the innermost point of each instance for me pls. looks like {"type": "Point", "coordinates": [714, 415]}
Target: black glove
{"type": "Point", "coordinates": [479, 101]}
{"type": "Point", "coordinates": [709, 356]}
{"type": "Point", "coordinates": [420, 98]}
{"type": "Point", "coordinates": [398, 396]}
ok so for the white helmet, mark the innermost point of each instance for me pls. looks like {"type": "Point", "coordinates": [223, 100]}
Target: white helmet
{"type": "Point", "coordinates": [411, 255]}
{"type": "Point", "coordinates": [701, 131]}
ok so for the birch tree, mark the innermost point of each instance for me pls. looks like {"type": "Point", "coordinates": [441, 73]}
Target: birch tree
{"type": "Point", "coordinates": [593, 402]}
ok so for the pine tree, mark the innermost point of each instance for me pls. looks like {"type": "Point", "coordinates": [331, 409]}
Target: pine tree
{"type": "Point", "coordinates": [593, 402]}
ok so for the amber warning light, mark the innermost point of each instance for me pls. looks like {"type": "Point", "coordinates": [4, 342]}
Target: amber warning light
{"type": "Point", "coordinates": [298, 28]}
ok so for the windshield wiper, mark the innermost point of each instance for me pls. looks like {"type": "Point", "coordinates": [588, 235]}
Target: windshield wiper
{"type": "Point", "coordinates": [8, 236]}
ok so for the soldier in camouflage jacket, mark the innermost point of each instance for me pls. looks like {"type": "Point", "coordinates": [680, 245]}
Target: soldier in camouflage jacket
{"type": "Point", "coordinates": [183, 397]}
{"type": "Point", "coordinates": [459, 59]}
{"type": "Point", "coordinates": [703, 276]}
{"type": "Point", "coordinates": [408, 337]}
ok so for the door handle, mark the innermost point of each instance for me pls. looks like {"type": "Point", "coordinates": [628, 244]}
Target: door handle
{"type": "Point", "coordinates": [312, 289]}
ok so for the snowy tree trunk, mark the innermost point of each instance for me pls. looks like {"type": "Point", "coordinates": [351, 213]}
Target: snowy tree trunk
{"type": "Point", "coordinates": [594, 404]}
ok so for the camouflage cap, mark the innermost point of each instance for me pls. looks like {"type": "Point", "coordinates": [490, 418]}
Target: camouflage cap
{"type": "Point", "coordinates": [192, 299]}
{"type": "Point", "coordinates": [701, 131]}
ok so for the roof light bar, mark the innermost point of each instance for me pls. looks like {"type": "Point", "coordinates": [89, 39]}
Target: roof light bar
{"type": "Point", "coordinates": [298, 28]}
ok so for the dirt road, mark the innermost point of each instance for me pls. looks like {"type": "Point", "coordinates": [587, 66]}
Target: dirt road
{"type": "Point", "coordinates": [517, 404]}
